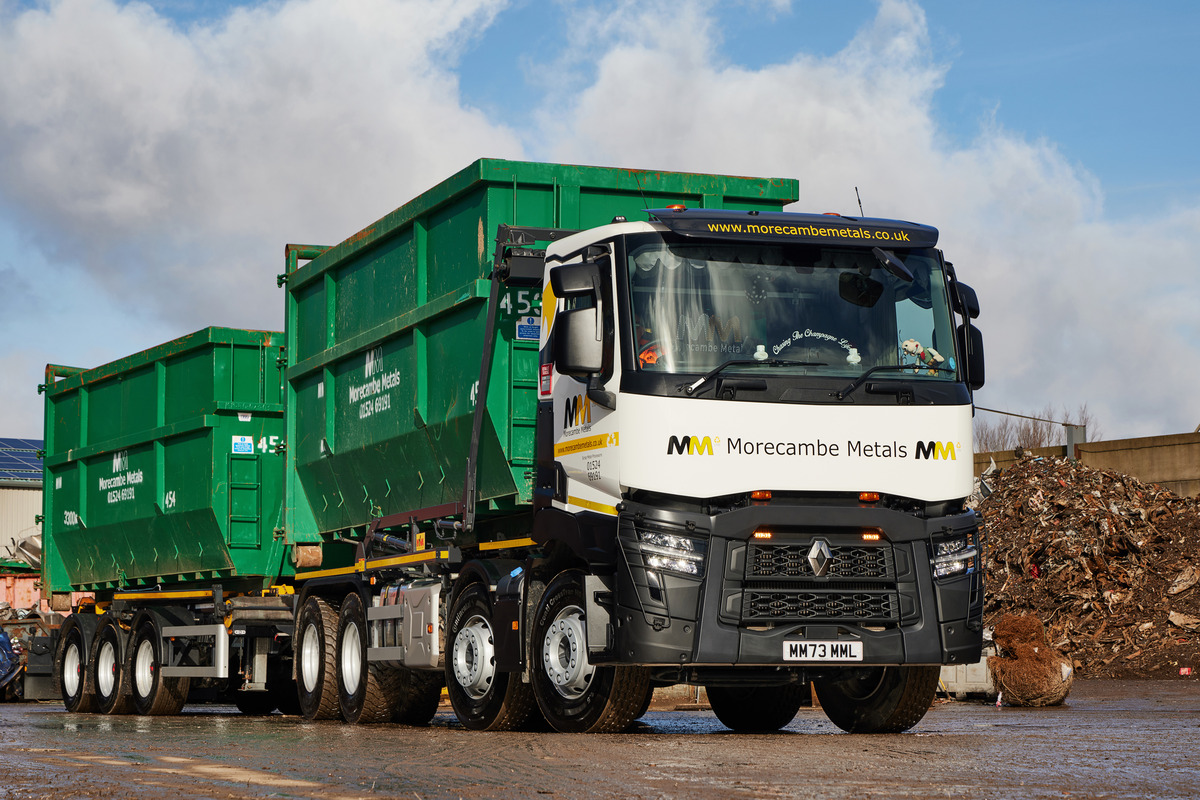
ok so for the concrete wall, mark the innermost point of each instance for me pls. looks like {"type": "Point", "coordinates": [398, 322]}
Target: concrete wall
{"type": "Point", "coordinates": [1172, 462]}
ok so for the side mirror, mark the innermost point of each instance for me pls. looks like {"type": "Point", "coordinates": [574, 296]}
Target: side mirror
{"type": "Point", "coordinates": [578, 349]}
{"type": "Point", "coordinates": [573, 280]}
{"type": "Point", "coordinates": [965, 301]}
{"type": "Point", "coordinates": [970, 349]}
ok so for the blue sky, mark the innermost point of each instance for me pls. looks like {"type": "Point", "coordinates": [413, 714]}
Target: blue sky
{"type": "Point", "coordinates": [155, 158]}
{"type": "Point", "coordinates": [1107, 82]}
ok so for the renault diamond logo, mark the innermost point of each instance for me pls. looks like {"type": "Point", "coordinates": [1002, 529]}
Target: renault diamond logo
{"type": "Point", "coordinates": [819, 557]}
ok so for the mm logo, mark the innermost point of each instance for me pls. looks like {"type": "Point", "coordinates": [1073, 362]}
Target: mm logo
{"type": "Point", "coordinates": [372, 361]}
{"type": "Point", "coordinates": [578, 411]}
{"type": "Point", "coordinates": [692, 445]}
{"type": "Point", "coordinates": [120, 461]}
{"type": "Point", "coordinates": [937, 450]}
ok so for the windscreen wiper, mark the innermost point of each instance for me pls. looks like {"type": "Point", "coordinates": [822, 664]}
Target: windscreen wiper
{"type": "Point", "coordinates": [918, 368]}
{"type": "Point", "coordinates": [736, 362]}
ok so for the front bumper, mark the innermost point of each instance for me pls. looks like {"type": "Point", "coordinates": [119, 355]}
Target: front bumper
{"type": "Point", "coordinates": [756, 594]}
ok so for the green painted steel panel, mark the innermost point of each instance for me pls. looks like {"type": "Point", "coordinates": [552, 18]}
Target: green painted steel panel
{"type": "Point", "coordinates": [142, 483]}
{"type": "Point", "coordinates": [385, 335]}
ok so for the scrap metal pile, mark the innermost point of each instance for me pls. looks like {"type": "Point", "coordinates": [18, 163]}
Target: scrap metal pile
{"type": "Point", "coordinates": [1110, 564]}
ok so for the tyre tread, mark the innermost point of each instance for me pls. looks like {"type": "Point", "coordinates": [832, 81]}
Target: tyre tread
{"type": "Point", "coordinates": [900, 709]}
{"type": "Point", "coordinates": [758, 709]}
{"type": "Point", "coordinates": [419, 694]}
{"type": "Point", "coordinates": [170, 694]}
{"type": "Point", "coordinates": [328, 705]}
{"type": "Point", "coordinates": [86, 703]}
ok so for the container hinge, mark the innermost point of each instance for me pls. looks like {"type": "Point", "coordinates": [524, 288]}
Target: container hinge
{"type": "Point", "coordinates": [281, 279]}
{"type": "Point", "coordinates": [281, 359]}
{"type": "Point", "coordinates": [281, 447]}
{"type": "Point", "coordinates": [38, 519]}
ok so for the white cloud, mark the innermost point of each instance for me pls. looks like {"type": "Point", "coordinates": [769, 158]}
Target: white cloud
{"type": "Point", "coordinates": [173, 165]}
{"type": "Point", "coordinates": [164, 169]}
{"type": "Point", "coordinates": [160, 170]}
{"type": "Point", "coordinates": [1077, 308]}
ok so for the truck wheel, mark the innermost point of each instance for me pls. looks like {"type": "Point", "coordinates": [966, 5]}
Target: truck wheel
{"type": "Point", "coordinates": [255, 704]}
{"type": "Point", "coordinates": [281, 686]}
{"type": "Point", "coordinates": [575, 696]}
{"type": "Point", "coordinates": [366, 692]}
{"type": "Point", "coordinates": [70, 669]}
{"type": "Point", "coordinates": [757, 709]}
{"type": "Point", "coordinates": [110, 673]}
{"type": "Point", "coordinates": [316, 664]}
{"type": "Point", "coordinates": [879, 699]}
{"type": "Point", "coordinates": [153, 694]}
{"type": "Point", "coordinates": [419, 695]}
{"type": "Point", "coordinates": [646, 702]}
{"type": "Point", "coordinates": [483, 698]}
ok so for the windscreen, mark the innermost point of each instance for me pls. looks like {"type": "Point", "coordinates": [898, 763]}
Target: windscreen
{"type": "Point", "coordinates": [697, 305]}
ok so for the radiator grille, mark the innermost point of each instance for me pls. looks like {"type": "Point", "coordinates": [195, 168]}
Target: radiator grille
{"type": "Point", "coordinates": [765, 562]}
{"type": "Point", "coordinates": [820, 606]}
{"type": "Point", "coordinates": [858, 584]}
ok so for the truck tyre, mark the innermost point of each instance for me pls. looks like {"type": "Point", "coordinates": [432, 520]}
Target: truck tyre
{"type": "Point", "coordinates": [573, 695]}
{"type": "Point", "coordinates": [879, 699]}
{"type": "Point", "coordinates": [255, 704]}
{"type": "Point", "coordinates": [154, 695]}
{"type": "Point", "coordinates": [646, 702]}
{"type": "Point", "coordinates": [483, 698]}
{"type": "Point", "coordinates": [316, 662]}
{"type": "Point", "coordinates": [70, 668]}
{"type": "Point", "coordinates": [419, 694]}
{"type": "Point", "coordinates": [282, 687]}
{"type": "Point", "coordinates": [366, 692]}
{"type": "Point", "coordinates": [110, 672]}
{"type": "Point", "coordinates": [757, 709]}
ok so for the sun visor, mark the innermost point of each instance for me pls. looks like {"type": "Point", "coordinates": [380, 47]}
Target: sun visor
{"type": "Point", "coordinates": [781, 227]}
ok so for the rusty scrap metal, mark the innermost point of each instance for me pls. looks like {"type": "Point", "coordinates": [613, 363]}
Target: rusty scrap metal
{"type": "Point", "coordinates": [1109, 564]}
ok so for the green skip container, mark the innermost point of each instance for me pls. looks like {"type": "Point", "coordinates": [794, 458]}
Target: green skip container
{"type": "Point", "coordinates": [161, 468]}
{"type": "Point", "coordinates": [385, 335]}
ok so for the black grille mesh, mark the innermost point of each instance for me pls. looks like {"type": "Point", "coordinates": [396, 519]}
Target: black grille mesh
{"type": "Point", "coordinates": [858, 584]}
{"type": "Point", "coordinates": [810, 606]}
{"type": "Point", "coordinates": [791, 561]}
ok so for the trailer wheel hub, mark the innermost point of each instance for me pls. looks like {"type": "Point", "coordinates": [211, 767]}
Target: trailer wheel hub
{"type": "Point", "coordinates": [71, 676]}
{"type": "Point", "coordinates": [311, 655]}
{"type": "Point", "coordinates": [143, 668]}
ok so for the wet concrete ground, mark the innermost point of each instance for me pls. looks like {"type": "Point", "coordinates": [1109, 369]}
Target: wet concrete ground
{"type": "Point", "coordinates": [1112, 739]}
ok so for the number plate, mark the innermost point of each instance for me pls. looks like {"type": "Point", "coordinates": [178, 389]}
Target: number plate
{"type": "Point", "coordinates": [822, 651]}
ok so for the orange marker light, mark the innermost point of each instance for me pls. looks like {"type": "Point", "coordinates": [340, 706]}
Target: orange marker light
{"type": "Point", "coordinates": [868, 497]}
{"type": "Point", "coordinates": [872, 534]}
{"type": "Point", "coordinates": [761, 494]}
{"type": "Point", "coordinates": [762, 533]}
{"type": "Point", "coordinates": [677, 207]}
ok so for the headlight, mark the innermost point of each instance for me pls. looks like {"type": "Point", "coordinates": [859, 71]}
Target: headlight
{"type": "Point", "coordinates": [954, 557]}
{"type": "Point", "coordinates": [666, 551]}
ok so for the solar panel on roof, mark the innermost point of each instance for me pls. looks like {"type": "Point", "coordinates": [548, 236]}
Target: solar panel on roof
{"type": "Point", "coordinates": [19, 460]}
